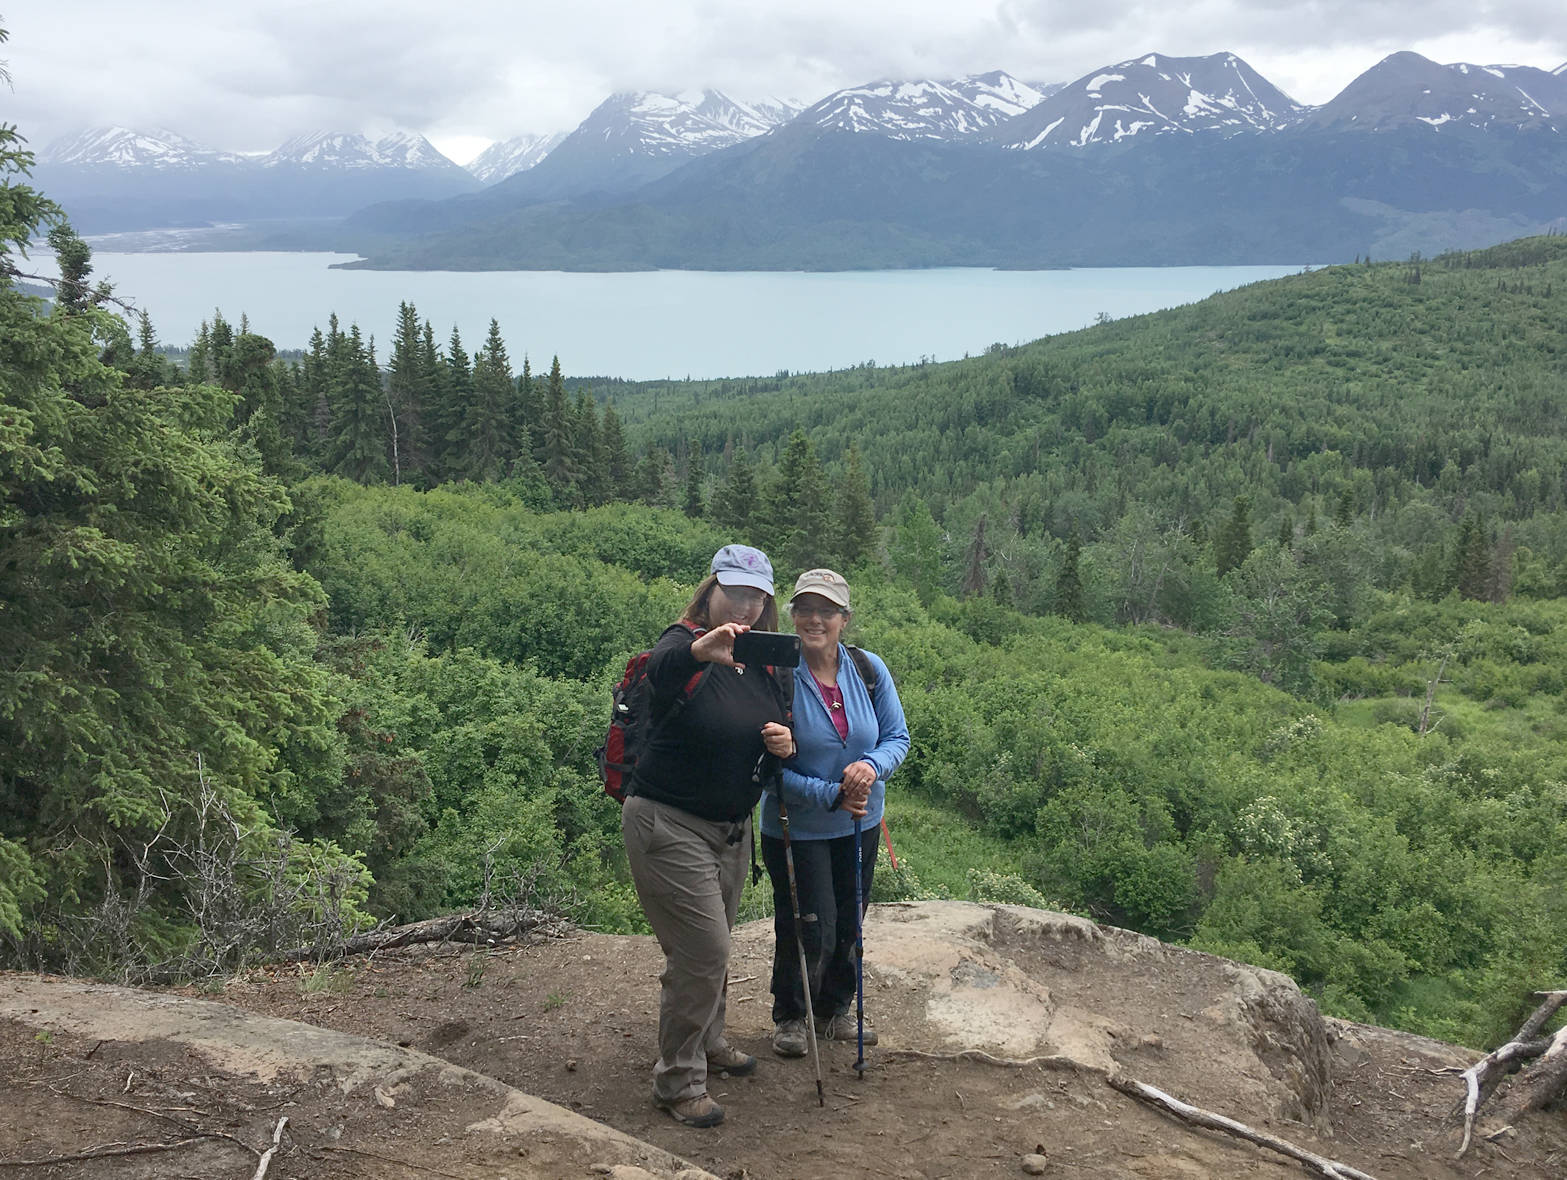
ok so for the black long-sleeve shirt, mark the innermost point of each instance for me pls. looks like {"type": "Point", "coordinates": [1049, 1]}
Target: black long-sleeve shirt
{"type": "Point", "coordinates": [701, 758]}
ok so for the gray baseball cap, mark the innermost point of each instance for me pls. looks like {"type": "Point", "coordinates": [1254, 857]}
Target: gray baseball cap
{"type": "Point", "coordinates": [741, 565]}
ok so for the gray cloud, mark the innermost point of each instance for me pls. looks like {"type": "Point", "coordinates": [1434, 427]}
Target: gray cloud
{"type": "Point", "coordinates": [245, 75]}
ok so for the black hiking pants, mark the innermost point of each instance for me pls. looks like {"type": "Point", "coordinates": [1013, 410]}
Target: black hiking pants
{"type": "Point", "coordinates": [824, 870]}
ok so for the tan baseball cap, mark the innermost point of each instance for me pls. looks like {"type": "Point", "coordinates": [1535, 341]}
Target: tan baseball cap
{"type": "Point", "coordinates": [828, 584]}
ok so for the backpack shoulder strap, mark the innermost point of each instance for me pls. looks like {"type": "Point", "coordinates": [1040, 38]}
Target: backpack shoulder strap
{"type": "Point", "coordinates": [866, 669]}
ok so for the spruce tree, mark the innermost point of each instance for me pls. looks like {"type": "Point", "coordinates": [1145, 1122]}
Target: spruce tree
{"type": "Point", "coordinates": [438, 420]}
{"type": "Point", "coordinates": [794, 506]}
{"type": "Point", "coordinates": [617, 462]}
{"type": "Point", "coordinates": [408, 396]}
{"type": "Point", "coordinates": [314, 387]}
{"type": "Point", "coordinates": [560, 467]}
{"type": "Point", "coordinates": [694, 506]}
{"type": "Point", "coordinates": [458, 382]}
{"type": "Point", "coordinates": [491, 447]}
{"type": "Point", "coordinates": [650, 481]}
{"type": "Point", "coordinates": [974, 574]}
{"type": "Point", "coordinates": [1069, 581]}
{"type": "Point", "coordinates": [735, 506]}
{"type": "Point", "coordinates": [587, 447]}
{"type": "Point", "coordinates": [1472, 572]}
{"type": "Point", "coordinates": [854, 529]}
{"type": "Point", "coordinates": [359, 445]}
{"type": "Point", "coordinates": [1233, 544]}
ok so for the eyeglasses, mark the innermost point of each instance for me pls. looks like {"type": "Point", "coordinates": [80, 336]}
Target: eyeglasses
{"type": "Point", "coordinates": [748, 595]}
{"type": "Point", "coordinates": [815, 612]}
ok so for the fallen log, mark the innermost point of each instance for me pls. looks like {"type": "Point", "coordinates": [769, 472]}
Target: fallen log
{"type": "Point", "coordinates": [1329, 1169]}
{"type": "Point", "coordinates": [1542, 1087]}
{"type": "Point", "coordinates": [483, 928]}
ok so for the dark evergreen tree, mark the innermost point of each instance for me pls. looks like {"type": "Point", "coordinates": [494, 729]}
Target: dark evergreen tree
{"type": "Point", "coordinates": [854, 529]}
{"type": "Point", "coordinates": [74, 293]}
{"type": "Point", "coordinates": [408, 395]}
{"type": "Point", "coordinates": [1069, 580]}
{"type": "Point", "coordinates": [148, 369]}
{"type": "Point", "coordinates": [490, 447]}
{"type": "Point", "coordinates": [560, 461]}
{"type": "Point", "coordinates": [974, 560]}
{"type": "Point", "coordinates": [735, 505]}
{"type": "Point", "coordinates": [794, 506]}
{"type": "Point", "coordinates": [650, 482]}
{"type": "Point", "coordinates": [617, 462]}
{"type": "Point", "coordinates": [438, 420]}
{"type": "Point", "coordinates": [694, 506]}
{"type": "Point", "coordinates": [528, 412]}
{"type": "Point", "coordinates": [1233, 543]}
{"type": "Point", "coordinates": [587, 446]}
{"type": "Point", "coordinates": [1472, 557]}
{"type": "Point", "coordinates": [359, 425]}
{"type": "Point", "coordinates": [458, 383]}
{"type": "Point", "coordinates": [315, 398]}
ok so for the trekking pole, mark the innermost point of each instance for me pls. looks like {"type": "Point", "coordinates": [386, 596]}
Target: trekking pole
{"type": "Point", "coordinates": [859, 953]}
{"type": "Point", "coordinates": [799, 942]}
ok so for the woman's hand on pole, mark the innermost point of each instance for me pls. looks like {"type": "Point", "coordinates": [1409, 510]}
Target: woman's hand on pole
{"type": "Point", "coordinates": [718, 645]}
{"type": "Point", "coordinates": [858, 779]}
{"type": "Point", "coordinates": [778, 740]}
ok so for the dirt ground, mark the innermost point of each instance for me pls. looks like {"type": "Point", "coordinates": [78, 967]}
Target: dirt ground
{"type": "Point", "coordinates": [573, 1021]}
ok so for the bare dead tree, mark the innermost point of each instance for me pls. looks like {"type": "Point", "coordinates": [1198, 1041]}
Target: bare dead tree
{"type": "Point", "coordinates": [1542, 1086]}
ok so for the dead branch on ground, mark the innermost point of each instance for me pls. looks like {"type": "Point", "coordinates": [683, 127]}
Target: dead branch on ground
{"type": "Point", "coordinates": [1330, 1169]}
{"type": "Point", "coordinates": [481, 929]}
{"type": "Point", "coordinates": [266, 1156]}
{"type": "Point", "coordinates": [1052, 1061]}
{"type": "Point", "coordinates": [109, 1151]}
{"type": "Point", "coordinates": [1543, 1085]}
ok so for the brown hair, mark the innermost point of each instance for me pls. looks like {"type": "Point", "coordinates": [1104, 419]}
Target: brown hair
{"type": "Point", "coordinates": [696, 609]}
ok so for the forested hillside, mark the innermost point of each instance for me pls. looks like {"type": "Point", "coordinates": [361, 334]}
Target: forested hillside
{"type": "Point", "coordinates": [1240, 624]}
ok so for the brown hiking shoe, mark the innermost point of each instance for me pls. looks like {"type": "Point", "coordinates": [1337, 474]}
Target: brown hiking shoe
{"type": "Point", "coordinates": [789, 1038]}
{"type": "Point", "coordinates": [844, 1027]}
{"type": "Point", "coordinates": [698, 1111]}
{"type": "Point", "coordinates": [727, 1059]}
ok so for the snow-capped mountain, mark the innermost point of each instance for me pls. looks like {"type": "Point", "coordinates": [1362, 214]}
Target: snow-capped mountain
{"type": "Point", "coordinates": [345, 151]}
{"type": "Point", "coordinates": [121, 147]}
{"type": "Point", "coordinates": [635, 137]}
{"type": "Point", "coordinates": [913, 110]}
{"type": "Point", "coordinates": [999, 91]}
{"type": "Point", "coordinates": [642, 123]}
{"type": "Point", "coordinates": [1405, 89]}
{"type": "Point", "coordinates": [507, 157]}
{"type": "Point", "coordinates": [1154, 95]}
{"type": "Point", "coordinates": [743, 118]}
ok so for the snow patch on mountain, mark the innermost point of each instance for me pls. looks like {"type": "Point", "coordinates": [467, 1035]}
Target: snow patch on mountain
{"type": "Point", "coordinates": [507, 157]}
{"type": "Point", "coordinates": [349, 151]}
{"type": "Point", "coordinates": [122, 147]}
{"type": "Point", "coordinates": [1153, 95]}
{"type": "Point", "coordinates": [1406, 89]}
{"type": "Point", "coordinates": [925, 109]}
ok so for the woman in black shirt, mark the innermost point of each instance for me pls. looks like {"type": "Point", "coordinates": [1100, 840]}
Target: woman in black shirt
{"type": "Point", "coordinates": [687, 817]}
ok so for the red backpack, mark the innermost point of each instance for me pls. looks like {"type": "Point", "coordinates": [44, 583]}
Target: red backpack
{"type": "Point", "coordinates": [631, 720]}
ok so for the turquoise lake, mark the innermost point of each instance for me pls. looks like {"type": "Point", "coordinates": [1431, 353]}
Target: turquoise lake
{"type": "Point", "coordinates": [659, 324]}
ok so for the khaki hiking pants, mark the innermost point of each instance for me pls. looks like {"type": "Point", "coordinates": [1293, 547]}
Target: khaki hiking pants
{"type": "Point", "coordinates": [689, 873]}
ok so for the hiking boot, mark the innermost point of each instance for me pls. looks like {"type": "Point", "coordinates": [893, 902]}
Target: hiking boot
{"type": "Point", "coordinates": [789, 1038]}
{"type": "Point", "coordinates": [727, 1059]}
{"type": "Point", "coordinates": [844, 1027]}
{"type": "Point", "coordinates": [698, 1111]}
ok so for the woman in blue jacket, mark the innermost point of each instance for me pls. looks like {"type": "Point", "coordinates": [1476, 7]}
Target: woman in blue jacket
{"type": "Point", "coordinates": [850, 736]}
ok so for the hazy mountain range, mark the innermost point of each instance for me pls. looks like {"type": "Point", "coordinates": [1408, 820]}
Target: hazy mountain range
{"type": "Point", "coordinates": [1153, 159]}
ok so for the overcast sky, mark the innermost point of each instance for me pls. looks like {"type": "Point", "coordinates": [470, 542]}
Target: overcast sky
{"type": "Point", "coordinates": [244, 75]}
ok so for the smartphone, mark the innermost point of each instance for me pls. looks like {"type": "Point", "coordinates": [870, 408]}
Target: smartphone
{"type": "Point", "coordinates": [778, 648]}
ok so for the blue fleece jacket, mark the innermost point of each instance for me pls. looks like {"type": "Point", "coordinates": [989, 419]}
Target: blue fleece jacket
{"type": "Point", "coordinates": [878, 734]}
